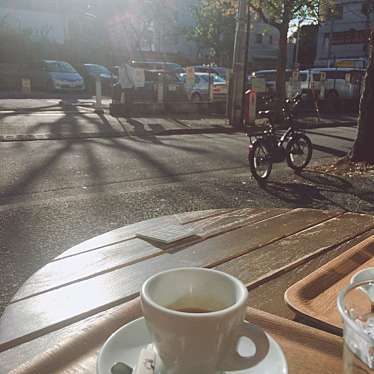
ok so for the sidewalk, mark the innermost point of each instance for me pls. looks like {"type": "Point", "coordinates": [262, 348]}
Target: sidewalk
{"type": "Point", "coordinates": [74, 118]}
{"type": "Point", "coordinates": [55, 126]}
{"type": "Point", "coordinates": [311, 121]}
{"type": "Point", "coordinates": [87, 124]}
{"type": "Point", "coordinates": [48, 102]}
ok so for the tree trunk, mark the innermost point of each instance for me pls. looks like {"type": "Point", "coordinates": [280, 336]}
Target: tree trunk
{"type": "Point", "coordinates": [363, 149]}
{"type": "Point", "coordinates": [237, 81]}
{"type": "Point", "coordinates": [282, 62]}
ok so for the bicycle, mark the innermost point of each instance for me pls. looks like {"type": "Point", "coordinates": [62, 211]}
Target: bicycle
{"type": "Point", "coordinates": [266, 147]}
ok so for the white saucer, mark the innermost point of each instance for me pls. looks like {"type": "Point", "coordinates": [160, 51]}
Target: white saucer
{"type": "Point", "coordinates": [126, 343]}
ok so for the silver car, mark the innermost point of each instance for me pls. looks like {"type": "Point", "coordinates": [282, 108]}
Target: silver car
{"type": "Point", "coordinates": [199, 91]}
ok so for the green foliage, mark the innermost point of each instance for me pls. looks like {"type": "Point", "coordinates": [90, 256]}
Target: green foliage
{"type": "Point", "coordinates": [328, 10]}
{"type": "Point", "coordinates": [214, 30]}
{"type": "Point", "coordinates": [145, 24]}
{"type": "Point", "coordinates": [279, 13]}
{"type": "Point", "coordinates": [215, 20]}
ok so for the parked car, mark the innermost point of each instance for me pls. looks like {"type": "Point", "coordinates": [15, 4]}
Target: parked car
{"type": "Point", "coordinates": [158, 65]}
{"type": "Point", "coordinates": [174, 88]}
{"type": "Point", "coordinates": [89, 73]}
{"type": "Point", "coordinates": [199, 91]}
{"type": "Point", "coordinates": [218, 70]}
{"type": "Point", "coordinates": [53, 75]}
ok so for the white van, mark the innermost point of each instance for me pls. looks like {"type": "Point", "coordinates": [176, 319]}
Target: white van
{"type": "Point", "coordinates": [337, 83]}
{"type": "Point", "coordinates": [270, 77]}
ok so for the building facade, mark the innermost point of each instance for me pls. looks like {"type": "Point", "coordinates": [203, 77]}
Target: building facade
{"type": "Point", "coordinates": [263, 45]}
{"type": "Point", "coordinates": [149, 30]}
{"type": "Point", "coordinates": [173, 39]}
{"type": "Point", "coordinates": [343, 37]}
{"type": "Point", "coordinates": [41, 19]}
{"type": "Point", "coordinates": [169, 36]}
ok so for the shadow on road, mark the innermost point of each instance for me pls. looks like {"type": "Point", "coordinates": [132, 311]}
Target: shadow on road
{"type": "Point", "coordinates": [17, 111]}
{"type": "Point", "coordinates": [329, 150]}
{"type": "Point", "coordinates": [88, 150]}
{"type": "Point", "coordinates": [140, 131]}
{"type": "Point", "coordinates": [326, 135]}
{"type": "Point", "coordinates": [66, 124]}
{"type": "Point", "coordinates": [323, 191]}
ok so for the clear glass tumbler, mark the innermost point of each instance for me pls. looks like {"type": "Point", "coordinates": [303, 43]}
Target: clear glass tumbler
{"type": "Point", "coordinates": [356, 307]}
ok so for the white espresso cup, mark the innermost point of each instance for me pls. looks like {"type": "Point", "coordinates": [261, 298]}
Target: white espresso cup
{"type": "Point", "coordinates": [196, 318]}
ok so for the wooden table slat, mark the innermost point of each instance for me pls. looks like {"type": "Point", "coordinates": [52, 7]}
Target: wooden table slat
{"type": "Point", "coordinates": [268, 249]}
{"type": "Point", "coordinates": [128, 232]}
{"type": "Point", "coordinates": [57, 308]}
{"type": "Point", "coordinates": [70, 269]}
{"type": "Point", "coordinates": [15, 357]}
{"type": "Point", "coordinates": [85, 265]}
{"type": "Point", "coordinates": [269, 296]}
{"type": "Point", "coordinates": [217, 225]}
{"type": "Point", "coordinates": [307, 350]}
{"type": "Point", "coordinates": [296, 249]}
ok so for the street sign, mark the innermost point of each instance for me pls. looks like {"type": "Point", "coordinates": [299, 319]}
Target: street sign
{"type": "Point", "coordinates": [344, 64]}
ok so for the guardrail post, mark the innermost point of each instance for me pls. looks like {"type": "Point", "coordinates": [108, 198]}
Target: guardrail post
{"type": "Point", "coordinates": [26, 85]}
{"type": "Point", "coordinates": [160, 89]}
{"type": "Point", "coordinates": [98, 105]}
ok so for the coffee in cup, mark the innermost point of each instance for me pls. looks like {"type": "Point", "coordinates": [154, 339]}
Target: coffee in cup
{"type": "Point", "coordinates": [196, 318]}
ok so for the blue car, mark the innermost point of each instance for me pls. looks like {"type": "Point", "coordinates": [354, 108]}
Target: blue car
{"type": "Point", "coordinates": [53, 75]}
{"type": "Point", "coordinates": [89, 73]}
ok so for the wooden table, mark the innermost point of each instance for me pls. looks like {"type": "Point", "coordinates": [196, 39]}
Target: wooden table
{"type": "Point", "coordinates": [94, 283]}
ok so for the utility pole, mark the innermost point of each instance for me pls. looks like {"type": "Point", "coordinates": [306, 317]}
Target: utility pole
{"type": "Point", "coordinates": [297, 43]}
{"type": "Point", "coordinates": [330, 39]}
{"type": "Point", "coordinates": [238, 81]}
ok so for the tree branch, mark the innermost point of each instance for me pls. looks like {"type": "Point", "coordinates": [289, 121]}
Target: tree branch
{"type": "Point", "coordinates": [272, 5]}
{"type": "Point", "coordinates": [265, 19]}
{"type": "Point", "coordinates": [309, 4]}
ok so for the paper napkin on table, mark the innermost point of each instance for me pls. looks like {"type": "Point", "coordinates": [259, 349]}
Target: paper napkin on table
{"type": "Point", "coordinates": [168, 234]}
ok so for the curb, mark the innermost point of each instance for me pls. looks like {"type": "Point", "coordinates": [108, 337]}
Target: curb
{"type": "Point", "coordinates": [60, 107]}
{"type": "Point", "coordinates": [311, 126]}
{"type": "Point", "coordinates": [90, 135]}
{"type": "Point", "coordinates": [37, 137]}
{"type": "Point", "coordinates": [209, 130]}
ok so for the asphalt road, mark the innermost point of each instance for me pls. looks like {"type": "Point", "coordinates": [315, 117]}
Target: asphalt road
{"type": "Point", "coordinates": [55, 194]}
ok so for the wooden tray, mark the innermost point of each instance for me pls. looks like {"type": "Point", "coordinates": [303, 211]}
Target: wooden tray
{"type": "Point", "coordinates": [307, 350]}
{"type": "Point", "coordinates": [314, 297]}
